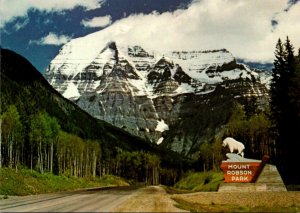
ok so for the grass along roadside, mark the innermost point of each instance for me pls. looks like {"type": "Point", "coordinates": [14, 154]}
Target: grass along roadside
{"type": "Point", "coordinates": [197, 192]}
{"type": "Point", "coordinates": [199, 207]}
{"type": "Point", "coordinates": [239, 201]}
{"type": "Point", "coordinates": [198, 182]}
{"type": "Point", "coordinates": [25, 182]}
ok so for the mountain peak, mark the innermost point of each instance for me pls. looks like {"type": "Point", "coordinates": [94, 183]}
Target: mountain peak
{"type": "Point", "coordinates": [137, 88]}
{"type": "Point", "coordinates": [112, 45]}
{"type": "Point", "coordinates": [138, 51]}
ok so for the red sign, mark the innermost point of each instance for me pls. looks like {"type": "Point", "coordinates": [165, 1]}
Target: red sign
{"type": "Point", "coordinates": [236, 172]}
{"type": "Point", "coordinates": [242, 172]}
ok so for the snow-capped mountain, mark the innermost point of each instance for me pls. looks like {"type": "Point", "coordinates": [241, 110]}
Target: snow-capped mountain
{"type": "Point", "coordinates": [149, 93]}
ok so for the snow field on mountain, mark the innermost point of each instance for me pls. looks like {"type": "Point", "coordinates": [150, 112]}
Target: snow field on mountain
{"type": "Point", "coordinates": [71, 91]}
{"type": "Point", "coordinates": [96, 54]}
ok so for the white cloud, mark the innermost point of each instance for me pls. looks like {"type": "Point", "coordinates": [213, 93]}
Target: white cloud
{"type": "Point", "coordinates": [242, 27]}
{"type": "Point", "coordinates": [102, 21]}
{"type": "Point", "coordinates": [10, 9]}
{"type": "Point", "coordinates": [52, 39]}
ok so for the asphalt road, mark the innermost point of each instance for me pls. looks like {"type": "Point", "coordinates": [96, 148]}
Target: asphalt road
{"type": "Point", "coordinates": [95, 200]}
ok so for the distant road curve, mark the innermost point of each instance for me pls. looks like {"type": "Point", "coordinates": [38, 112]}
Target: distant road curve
{"type": "Point", "coordinates": [94, 200]}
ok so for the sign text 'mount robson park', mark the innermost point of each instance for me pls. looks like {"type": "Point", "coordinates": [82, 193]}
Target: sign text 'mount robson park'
{"type": "Point", "coordinates": [239, 171]}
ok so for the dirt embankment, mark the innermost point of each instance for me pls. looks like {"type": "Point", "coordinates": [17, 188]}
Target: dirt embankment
{"type": "Point", "coordinates": [149, 199]}
{"type": "Point", "coordinates": [155, 199]}
{"type": "Point", "coordinates": [240, 201]}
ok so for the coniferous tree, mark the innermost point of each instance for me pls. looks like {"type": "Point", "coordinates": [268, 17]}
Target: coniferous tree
{"type": "Point", "coordinates": [276, 89]}
{"type": "Point", "coordinates": [250, 106]}
{"type": "Point", "coordinates": [293, 122]}
{"type": "Point", "coordinates": [294, 93]}
{"type": "Point", "coordinates": [284, 111]}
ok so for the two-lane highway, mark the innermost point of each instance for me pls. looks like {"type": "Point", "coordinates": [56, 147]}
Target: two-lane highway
{"type": "Point", "coordinates": [96, 200]}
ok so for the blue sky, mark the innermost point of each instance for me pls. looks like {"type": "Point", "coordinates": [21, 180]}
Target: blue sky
{"type": "Point", "coordinates": [23, 32]}
{"type": "Point", "coordinates": [37, 29]}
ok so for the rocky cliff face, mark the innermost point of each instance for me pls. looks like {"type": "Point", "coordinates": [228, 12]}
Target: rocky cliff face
{"type": "Point", "coordinates": [169, 98]}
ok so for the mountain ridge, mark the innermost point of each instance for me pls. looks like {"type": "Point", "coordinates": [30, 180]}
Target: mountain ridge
{"type": "Point", "coordinates": [137, 89]}
{"type": "Point", "coordinates": [20, 80]}
{"type": "Point", "coordinates": [24, 89]}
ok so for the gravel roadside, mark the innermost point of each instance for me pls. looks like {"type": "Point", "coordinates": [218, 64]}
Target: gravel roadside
{"type": "Point", "coordinates": [240, 201]}
{"type": "Point", "coordinates": [149, 199]}
{"type": "Point", "coordinates": [155, 199]}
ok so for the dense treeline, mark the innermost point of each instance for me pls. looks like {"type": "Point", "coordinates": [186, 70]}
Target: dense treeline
{"type": "Point", "coordinates": [252, 129]}
{"type": "Point", "coordinates": [140, 166]}
{"type": "Point", "coordinates": [285, 109]}
{"type": "Point", "coordinates": [55, 151]}
{"type": "Point", "coordinates": [47, 148]}
{"type": "Point", "coordinates": [12, 140]}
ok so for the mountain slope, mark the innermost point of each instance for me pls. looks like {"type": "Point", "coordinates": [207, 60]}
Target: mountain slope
{"type": "Point", "coordinates": [23, 86]}
{"type": "Point", "coordinates": [155, 95]}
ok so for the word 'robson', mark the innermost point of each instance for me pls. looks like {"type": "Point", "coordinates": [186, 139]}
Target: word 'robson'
{"type": "Point", "coordinates": [239, 172]}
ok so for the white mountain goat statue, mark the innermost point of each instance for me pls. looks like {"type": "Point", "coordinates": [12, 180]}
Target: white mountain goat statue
{"type": "Point", "coordinates": [234, 145]}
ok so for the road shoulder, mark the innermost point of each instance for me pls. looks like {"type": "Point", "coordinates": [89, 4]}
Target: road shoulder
{"type": "Point", "coordinates": [149, 199]}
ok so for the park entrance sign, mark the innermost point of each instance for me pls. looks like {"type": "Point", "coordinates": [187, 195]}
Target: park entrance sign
{"type": "Point", "coordinates": [246, 175]}
{"type": "Point", "coordinates": [241, 170]}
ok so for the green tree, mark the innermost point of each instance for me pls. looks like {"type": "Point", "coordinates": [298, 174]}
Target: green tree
{"type": "Point", "coordinates": [12, 133]}
{"type": "Point", "coordinates": [95, 149]}
{"type": "Point", "coordinates": [152, 167]}
{"type": "Point", "coordinates": [40, 132]}
{"type": "Point", "coordinates": [284, 108]}
{"type": "Point", "coordinates": [279, 91]}
{"type": "Point", "coordinates": [0, 142]}
{"type": "Point", "coordinates": [258, 137]}
{"type": "Point", "coordinates": [252, 130]}
{"type": "Point", "coordinates": [53, 137]}
{"type": "Point", "coordinates": [236, 125]}
{"type": "Point", "coordinates": [61, 147]}
{"type": "Point", "coordinates": [276, 89]}
{"type": "Point", "coordinates": [250, 106]}
{"type": "Point", "coordinates": [294, 93]}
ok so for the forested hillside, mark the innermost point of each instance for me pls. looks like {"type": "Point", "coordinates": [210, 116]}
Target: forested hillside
{"type": "Point", "coordinates": [42, 130]}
